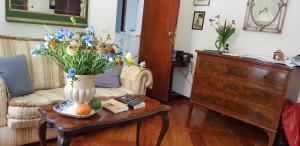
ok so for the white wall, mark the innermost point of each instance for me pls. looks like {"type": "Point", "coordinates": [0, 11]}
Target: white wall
{"type": "Point", "coordinates": [102, 15]}
{"type": "Point", "coordinates": [243, 42]}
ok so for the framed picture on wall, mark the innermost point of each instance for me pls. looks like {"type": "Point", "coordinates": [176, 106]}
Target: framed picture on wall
{"type": "Point", "coordinates": [198, 20]}
{"type": "Point", "coordinates": [201, 2]}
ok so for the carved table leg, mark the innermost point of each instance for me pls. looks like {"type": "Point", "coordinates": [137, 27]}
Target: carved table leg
{"type": "Point", "coordinates": [64, 139]}
{"type": "Point", "coordinates": [271, 138]}
{"type": "Point", "coordinates": [164, 129]}
{"type": "Point", "coordinates": [138, 128]}
{"type": "Point", "coordinates": [42, 132]}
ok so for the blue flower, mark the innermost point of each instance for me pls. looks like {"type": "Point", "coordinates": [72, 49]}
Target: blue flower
{"type": "Point", "coordinates": [91, 30]}
{"type": "Point", "coordinates": [41, 47]}
{"type": "Point", "coordinates": [60, 35]}
{"type": "Point", "coordinates": [103, 56]}
{"type": "Point", "coordinates": [70, 34]}
{"type": "Point", "coordinates": [88, 40]}
{"type": "Point", "coordinates": [33, 53]}
{"type": "Point", "coordinates": [71, 73]}
{"type": "Point", "coordinates": [112, 56]}
{"type": "Point", "coordinates": [48, 37]}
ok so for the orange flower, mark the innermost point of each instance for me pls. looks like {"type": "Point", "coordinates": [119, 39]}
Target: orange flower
{"type": "Point", "coordinates": [53, 44]}
{"type": "Point", "coordinates": [118, 60]}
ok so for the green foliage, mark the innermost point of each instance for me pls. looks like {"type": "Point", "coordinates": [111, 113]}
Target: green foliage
{"type": "Point", "coordinates": [95, 104]}
{"type": "Point", "coordinates": [82, 52]}
{"type": "Point", "coordinates": [224, 31]}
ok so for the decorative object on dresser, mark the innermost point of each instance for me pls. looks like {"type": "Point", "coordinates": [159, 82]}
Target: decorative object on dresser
{"type": "Point", "coordinates": [224, 33]}
{"type": "Point", "coordinates": [265, 15]}
{"type": "Point", "coordinates": [278, 55]}
{"type": "Point", "coordinates": [247, 89]}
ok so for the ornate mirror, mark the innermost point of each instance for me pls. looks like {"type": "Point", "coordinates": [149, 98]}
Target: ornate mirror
{"type": "Point", "coordinates": [265, 15]}
{"type": "Point", "coordinates": [55, 12]}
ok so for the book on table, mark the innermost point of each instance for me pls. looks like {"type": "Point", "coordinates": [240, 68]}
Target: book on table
{"type": "Point", "coordinates": [131, 101]}
{"type": "Point", "coordinates": [114, 106]}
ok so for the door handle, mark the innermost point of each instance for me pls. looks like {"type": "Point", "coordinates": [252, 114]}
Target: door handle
{"type": "Point", "coordinates": [172, 36]}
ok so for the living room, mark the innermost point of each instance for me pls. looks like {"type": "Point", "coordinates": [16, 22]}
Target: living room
{"type": "Point", "coordinates": [141, 72]}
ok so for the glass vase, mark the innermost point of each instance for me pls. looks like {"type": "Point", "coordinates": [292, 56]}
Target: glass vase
{"type": "Point", "coordinates": [221, 46]}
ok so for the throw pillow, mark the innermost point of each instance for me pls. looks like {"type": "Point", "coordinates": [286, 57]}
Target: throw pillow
{"type": "Point", "coordinates": [110, 78]}
{"type": "Point", "coordinates": [14, 71]}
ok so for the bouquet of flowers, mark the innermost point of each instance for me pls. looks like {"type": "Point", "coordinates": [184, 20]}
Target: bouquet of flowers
{"type": "Point", "coordinates": [224, 31]}
{"type": "Point", "coordinates": [81, 52]}
{"type": "Point", "coordinates": [82, 55]}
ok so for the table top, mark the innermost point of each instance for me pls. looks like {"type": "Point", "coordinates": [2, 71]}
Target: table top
{"type": "Point", "coordinates": [103, 117]}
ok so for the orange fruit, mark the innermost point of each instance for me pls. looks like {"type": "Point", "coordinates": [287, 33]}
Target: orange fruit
{"type": "Point", "coordinates": [83, 109]}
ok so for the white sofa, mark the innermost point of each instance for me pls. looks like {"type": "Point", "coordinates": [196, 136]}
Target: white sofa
{"type": "Point", "coordinates": [18, 116]}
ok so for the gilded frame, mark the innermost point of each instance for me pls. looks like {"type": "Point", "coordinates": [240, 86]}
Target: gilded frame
{"type": "Point", "coordinates": [13, 15]}
{"type": "Point", "coordinates": [252, 25]}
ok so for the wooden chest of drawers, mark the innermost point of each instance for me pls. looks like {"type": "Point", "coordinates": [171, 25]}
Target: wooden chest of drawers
{"type": "Point", "coordinates": [249, 90]}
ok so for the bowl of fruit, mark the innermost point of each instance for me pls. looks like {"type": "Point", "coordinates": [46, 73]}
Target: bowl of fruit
{"type": "Point", "coordinates": [84, 110]}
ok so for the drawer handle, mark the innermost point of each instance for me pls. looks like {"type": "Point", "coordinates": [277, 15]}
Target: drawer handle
{"type": "Point", "coordinates": [210, 65]}
{"type": "Point", "coordinates": [236, 71]}
{"type": "Point", "coordinates": [263, 95]}
{"type": "Point", "coordinates": [226, 104]}
{"type": "Point", "coordinates": [231, 87]}
{"type": "Point", "coordinates": [257, 114]}
{"type": "Point", "coordinates": [206, 82]}
{"type": "Point", "coordinates": [268, 77]}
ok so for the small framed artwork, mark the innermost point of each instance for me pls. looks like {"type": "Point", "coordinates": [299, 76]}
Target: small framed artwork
{"type": "Point", "coordinates": [201, 2]}
{"type": "Point", "coordinates": [198, 20]}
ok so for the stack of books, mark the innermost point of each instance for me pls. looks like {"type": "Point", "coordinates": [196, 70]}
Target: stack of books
{"type": "Point", "coordinates": [114, 106]}
{"type": "Point", "coordinates": [123, 103]}
{"type": "Point", "coordinates": [131, 101]}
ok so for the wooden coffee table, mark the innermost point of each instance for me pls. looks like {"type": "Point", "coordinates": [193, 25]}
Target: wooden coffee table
{"type": "Point", "coordinates": [68, 127]}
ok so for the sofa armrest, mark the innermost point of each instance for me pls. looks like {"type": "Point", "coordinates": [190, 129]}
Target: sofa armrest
{"type": "Point", "coordinates": [3, 102]}
{"type": "Point", "coordinates": [136, 79]}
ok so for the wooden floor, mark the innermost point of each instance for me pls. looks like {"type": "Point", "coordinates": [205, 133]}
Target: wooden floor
{"type": "Point", "coordinates": [202, 130]}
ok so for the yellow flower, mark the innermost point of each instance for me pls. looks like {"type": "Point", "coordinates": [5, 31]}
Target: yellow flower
{"type": "Point", "coordinates": [118, 60]}
{"type": "Point", "coordinates": [129, 59]}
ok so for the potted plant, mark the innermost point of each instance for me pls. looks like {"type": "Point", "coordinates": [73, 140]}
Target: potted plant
{"type": "Point", "coordinates": [224, 32]}
{"type": "Point", "coordinates": [82, 55]}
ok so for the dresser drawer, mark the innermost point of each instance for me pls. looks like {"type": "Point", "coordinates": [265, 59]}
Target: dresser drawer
{"type": "Point", "coordinates": [267, 76]}
{"type": "Point", "coordinates": [260, 116]}
{"type": "Point", "coordinates": [238, 89]}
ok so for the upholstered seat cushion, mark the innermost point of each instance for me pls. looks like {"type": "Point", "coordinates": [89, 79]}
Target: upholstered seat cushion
{"type": "Point", "coordinates": [23, 111]}
{"type": "Point", "coordinates": [112, 92]}
{"type": "Point", "coordinates": [38, 98]}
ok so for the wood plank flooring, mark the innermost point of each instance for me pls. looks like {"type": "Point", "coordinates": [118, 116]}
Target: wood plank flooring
{"type": "Point", "coordinates": [210, 129]}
